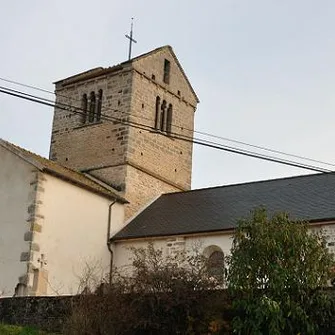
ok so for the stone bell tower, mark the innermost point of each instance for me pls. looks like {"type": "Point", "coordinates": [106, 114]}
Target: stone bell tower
{"type": "Point", "coordinates": [123, 127]}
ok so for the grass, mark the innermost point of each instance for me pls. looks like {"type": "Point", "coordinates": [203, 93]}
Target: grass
{"type": "Point", "coordinates": [16, 330]}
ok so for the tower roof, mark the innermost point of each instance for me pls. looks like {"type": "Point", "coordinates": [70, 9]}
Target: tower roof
{"type": "Point", "coordinates": [100, 71]}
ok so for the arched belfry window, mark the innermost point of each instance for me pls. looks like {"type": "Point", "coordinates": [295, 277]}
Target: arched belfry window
{"type": "Point", "coordinates": [163, 116]}
{"type": "Point", "coordinates": [99, 105]}
{"type": "Point", "coordinates": [84, 107]}
{"type": "Point", "coordinates": [157, 115]}
{"type": "Point", "coordinates": [92, 107]}
{"type": "Point", "coordinates": [169, 119]}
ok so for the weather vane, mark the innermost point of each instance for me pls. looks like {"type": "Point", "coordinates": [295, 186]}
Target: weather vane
{"type": "Point", "coordinates": [130, 37]}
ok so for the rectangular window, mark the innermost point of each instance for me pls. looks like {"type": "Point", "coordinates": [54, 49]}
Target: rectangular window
{"type": "Point", "coordinates": [166, 77]}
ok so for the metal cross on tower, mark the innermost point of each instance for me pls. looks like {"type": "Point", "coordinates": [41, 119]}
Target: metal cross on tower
{"type": "Point", "coordinates": [130, 37]}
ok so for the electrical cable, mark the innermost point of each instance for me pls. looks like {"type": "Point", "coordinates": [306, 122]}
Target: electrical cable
{"type": "Point", "coordinates": [173, 135]}
{"type": "Point", "coordinates": [202, 142]}
{"type": "Point", "coordinates": [179, 127]}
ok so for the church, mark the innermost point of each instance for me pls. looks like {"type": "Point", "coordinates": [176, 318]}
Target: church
{"type": "Point", "coordinates": [119, 176]}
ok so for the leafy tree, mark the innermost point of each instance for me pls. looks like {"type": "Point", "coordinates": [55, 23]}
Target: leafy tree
{"type": "Point", "coordinates": [277, 271]}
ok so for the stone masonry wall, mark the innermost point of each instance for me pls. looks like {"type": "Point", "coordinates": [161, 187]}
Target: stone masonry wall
{"type": "Point", "coordinates": [155, 151]}
{"type": "Point", "coordinates": [153, 67]}
{"type": "Point", "coordinates": [90, 146]}
{"type": "Point", "coordinates": [157, 162]}
{"type": "Point", "coordinates": [142, 189]}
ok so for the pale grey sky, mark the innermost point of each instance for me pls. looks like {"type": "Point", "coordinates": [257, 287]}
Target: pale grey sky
{"type": "Point", "coordinates": [264, 70]}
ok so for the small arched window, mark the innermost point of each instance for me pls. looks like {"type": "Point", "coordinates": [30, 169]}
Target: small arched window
{"type": "Point", "coordinates": [84, 107]}
{"type": "Point", "coordinates": [92, 107]}
{"type": "Point", "coordinates": [215, 265]}
{"type": "Point", "coordinates": [99, 105]}
{"type": "Point", "coordinates": [169, 119]}
{"type": "Point", "coordinates": [215, 262]}
{"type": "Point", "coordinates": [157, 115]}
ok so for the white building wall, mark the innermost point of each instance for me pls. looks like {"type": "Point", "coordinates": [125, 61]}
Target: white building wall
{"type": "Point", "coordinates": [170, 245]}
{"type": "Point", "coordinates": [15, 198]}
{"type": "Point", "coordinates": [74, 234]}
{"type": "Point", "coordinates": [201, 243]}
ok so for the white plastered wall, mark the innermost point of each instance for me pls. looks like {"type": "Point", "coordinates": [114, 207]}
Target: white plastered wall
{"type": "Point", "coordinates": [74, 234]}
{"type": "Point", "coordinates": [123, 253]}
{"type": "Point", "coordinates": [15, 198]}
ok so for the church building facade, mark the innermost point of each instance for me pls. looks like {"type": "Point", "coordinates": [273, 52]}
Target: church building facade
{"type": "Point", "coordinates": [121, 137]}
{"type": "Point", "coordinates": [119, 176]}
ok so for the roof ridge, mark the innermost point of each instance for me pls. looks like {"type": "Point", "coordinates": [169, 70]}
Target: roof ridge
{"type": "Point", "coordinates": [310, 175]}
{"type": "Point", "coordinates": [20, 148]}
{"type": "Point", "coordinates": [97, 70]}
{"type": "Point", "coordinates": [39, 156]}
{"type": "Point", "coordinates": [148, 53]}
{"type": "Point", "coordinates": [55, 168]}
{"type": "Point", "coordinates": [16, 150]}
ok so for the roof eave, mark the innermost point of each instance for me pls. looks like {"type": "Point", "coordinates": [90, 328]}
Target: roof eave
{"type": "Point", "coordinates": [189, 233]}
{"type": "Point", "coordinates": [97, 72]}
{"type": "Point", "coordinates": [321, 221]}
{"type": "Point", "coordinates": [312, 222]}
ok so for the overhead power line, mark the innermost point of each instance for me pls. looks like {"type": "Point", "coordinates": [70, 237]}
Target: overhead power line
{"type": "Point", "coordinates": [141, 117]}
{"type": "Point", "coordinates": [206, 143]}
{"type": "Point", "coordinates": [26, 85]}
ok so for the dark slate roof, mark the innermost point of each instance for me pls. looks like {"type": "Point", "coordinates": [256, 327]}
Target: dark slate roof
{"type": "Point", "coordinates": [309, 197]}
